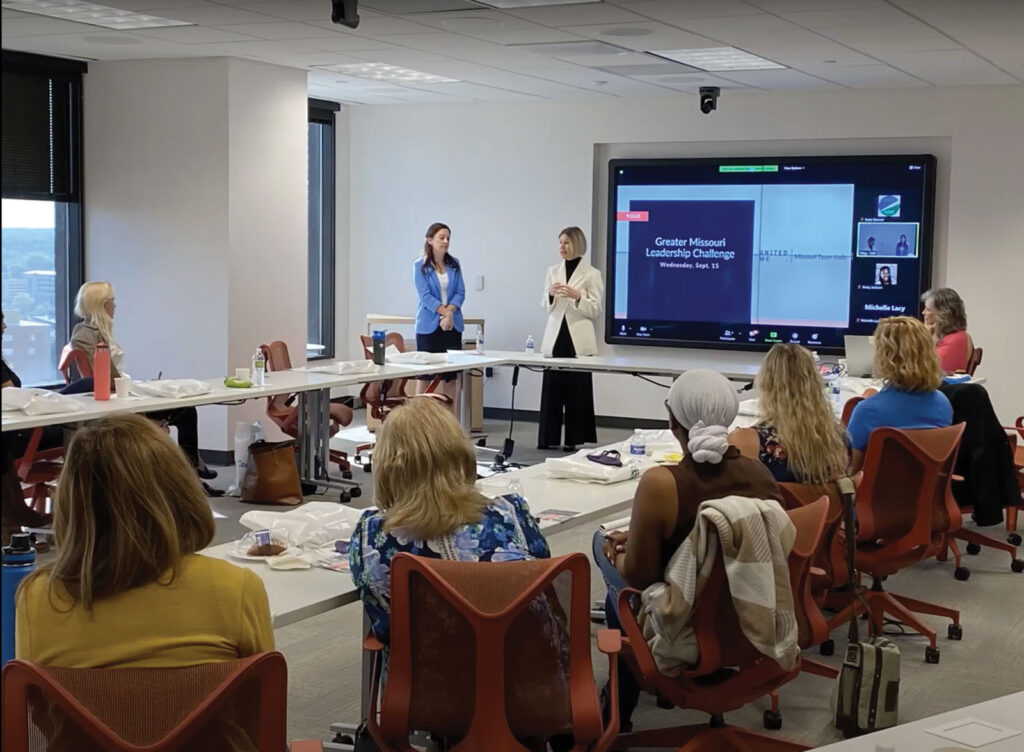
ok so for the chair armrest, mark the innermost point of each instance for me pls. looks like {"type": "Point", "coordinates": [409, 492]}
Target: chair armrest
{"type": "Point", "coordinates": [609, 641]}
{"type": "Point", "coordinates": [306, 745]}
{"type": "Point", "coordinates": [372, 644]}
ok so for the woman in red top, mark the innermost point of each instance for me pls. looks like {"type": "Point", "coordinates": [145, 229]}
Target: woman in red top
{"type": "Point", "coordinates": [945, 317]}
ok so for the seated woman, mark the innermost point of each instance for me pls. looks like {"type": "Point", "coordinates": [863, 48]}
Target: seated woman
{"type": "Point", "coordinates": [95, 305]}
{"type": "Point", "coordinates": [127, 587]}
{"type": "Point", "coordinates": [946, 319]}
{"type": "Point", "coordinates": [797, 435]}
{"type": "Point", "coordinates": [701, 404]}
{"type": "Point", "coordinates": [905, 357]}
{"type": "Point", "coordinates": [424, 471]}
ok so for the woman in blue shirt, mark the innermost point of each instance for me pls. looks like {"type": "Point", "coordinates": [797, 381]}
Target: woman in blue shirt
{"type": "Point", "coordinates": [424, 471]}
{"type": "Point", "coordinates": [442, 291]}
{"type": "Point", "coordinates": [905, 357]}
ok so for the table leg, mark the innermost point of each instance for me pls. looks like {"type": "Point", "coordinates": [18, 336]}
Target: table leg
{"type": "Point", "coordinates": [314, 411]}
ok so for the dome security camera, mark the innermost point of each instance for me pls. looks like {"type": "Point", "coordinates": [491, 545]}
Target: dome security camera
{"type": "Point", "coordinates": [709, 99]}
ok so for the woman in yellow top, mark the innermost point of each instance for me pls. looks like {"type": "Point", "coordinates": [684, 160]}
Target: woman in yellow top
{"type": "Point", "coordinates": [127, 587]}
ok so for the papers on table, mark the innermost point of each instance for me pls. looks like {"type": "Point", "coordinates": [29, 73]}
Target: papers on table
{"type": "Point", "coordinates": [622, 523]}
{"type": "Point", "coordinates": [556, 515]}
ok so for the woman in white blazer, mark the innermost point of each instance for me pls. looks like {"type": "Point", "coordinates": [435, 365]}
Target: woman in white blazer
{"type": "Point", "coordinates": [573, 296]}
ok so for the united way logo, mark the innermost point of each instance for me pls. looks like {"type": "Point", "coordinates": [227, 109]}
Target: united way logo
{"type": "Point", "coordinates": [888, 206]}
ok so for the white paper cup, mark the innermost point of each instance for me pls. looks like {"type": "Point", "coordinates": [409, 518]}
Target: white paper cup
{"type": "Point", "coordinates": [242, 374]}
{"type": "Point", "coordinates": [121, 387]}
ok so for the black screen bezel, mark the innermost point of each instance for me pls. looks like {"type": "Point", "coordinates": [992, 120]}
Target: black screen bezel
{"type": "Point", "coordinates": [924, 244]}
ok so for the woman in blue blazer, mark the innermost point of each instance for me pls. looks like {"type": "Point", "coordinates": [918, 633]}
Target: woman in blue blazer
{"type": "Point", "coordinates": [442, 291]}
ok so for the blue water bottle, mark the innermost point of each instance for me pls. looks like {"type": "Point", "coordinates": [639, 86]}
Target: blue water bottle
{"type": "Point", "coordinates": [380, 337]}
{"type": "Point", "coordinates": [19, 561]}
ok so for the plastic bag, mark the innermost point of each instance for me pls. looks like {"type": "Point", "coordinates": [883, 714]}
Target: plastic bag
{"type": "Point", "coordinates": [170, 388]}
{"type": "Point", "coordinates": [39, 401]}
{"type": "Point", "coordinates": [656, 440]}
{"type": "Point", "coordinates": [313, 525]}
{"type": "Point", "coordinates": [578, 467]}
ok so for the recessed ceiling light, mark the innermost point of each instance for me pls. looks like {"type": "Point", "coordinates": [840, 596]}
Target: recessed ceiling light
{"type": "Point", "coordinates": [386, 72]}
{"type": "Point", "coordinates": [92, 14]}
{"type": "Point", "coordinates": [506, 4]}
{"type": "Point", "coordinates": [717, 59]}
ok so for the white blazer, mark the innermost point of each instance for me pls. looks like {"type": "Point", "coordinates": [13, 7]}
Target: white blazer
{"type": "Point", "coordinates": [579, 314]}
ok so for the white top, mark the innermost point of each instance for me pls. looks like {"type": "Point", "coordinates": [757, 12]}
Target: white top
{"type": "Point", "coordinates": [442, 279]}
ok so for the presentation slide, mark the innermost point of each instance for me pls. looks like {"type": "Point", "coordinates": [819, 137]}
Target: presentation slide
{"type": "Point", "coordinates": [737, 253]}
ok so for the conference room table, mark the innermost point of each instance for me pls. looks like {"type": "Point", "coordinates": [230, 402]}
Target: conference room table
{"type": "Point", "coordinates": [991, 726]}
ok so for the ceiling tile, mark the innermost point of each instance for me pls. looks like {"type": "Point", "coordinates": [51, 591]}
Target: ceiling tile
{"type": "Point", "coordinates": [912, 36]}
{"type": "Point", "coordinates": [691, 82]}
{"type": "Point", "coordinates": [747, 31]}
{"type": "Point", "coordinates": [492, 26]}
{"type": "Point", "coordinates": [817, 19]}
{"type": "Point", "coordinates": [795, 6]}
{"type": "Point", "coordinates": [1004, 50]}
{"type": "Point", "coordinates": [874, 76]}
{"type": "Point", "coordinates": [348, 43]}
{"type": "Point", "coordinates": [801, 56]}
{"type": "Point", "coordinates": [576, 15]}
{"type": "Point", "coordinates": [32, 25]}
{"type": "Point", "coordinates": [216, 15]}
{"type": "Point", "coordinates": [298, 10]}
{"type": "Point", "coordinates": [475, 92]}
{"type": "Point", "coordinates": [194, 35]}
{"type": "Point", "coordinates": [777, 79]}
{"type": "Point", "coordinates": [378, 26]}
{"type": "Point", "coordinates": [281, 30]}
{"type": "Point", "coordinates": [949, 68]}
{"type": "Point", "coordinates": [674, 10]}
{"type": "Point", "coordinates": [661, 36]}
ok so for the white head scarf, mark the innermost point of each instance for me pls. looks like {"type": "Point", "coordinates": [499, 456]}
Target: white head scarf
{"type": "Point", "coordinates": [704, 403]}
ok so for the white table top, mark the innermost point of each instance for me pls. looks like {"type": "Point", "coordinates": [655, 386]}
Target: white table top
{"type": "Point", "coordinates": [655, 362]}
{"type": "Point", "coordinates": [277, 382]}
{"type": "Point", "coordinates": [1007, 712]}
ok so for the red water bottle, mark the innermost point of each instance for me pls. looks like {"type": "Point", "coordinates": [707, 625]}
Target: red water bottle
{"type": "Point", "coordinates": [101, 372]}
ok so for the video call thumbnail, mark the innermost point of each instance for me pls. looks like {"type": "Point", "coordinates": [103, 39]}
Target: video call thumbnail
{"type": "Point", "coordinates": [890, 239]}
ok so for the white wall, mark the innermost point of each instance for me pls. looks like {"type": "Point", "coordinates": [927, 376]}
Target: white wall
{"type": "Point", "coordinates": [195, 209]}
{"type": "Point", "coordinates": [508, 176]}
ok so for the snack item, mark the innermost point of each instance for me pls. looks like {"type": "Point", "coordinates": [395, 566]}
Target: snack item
{"type": "Point", "coordinates": [265, 549]}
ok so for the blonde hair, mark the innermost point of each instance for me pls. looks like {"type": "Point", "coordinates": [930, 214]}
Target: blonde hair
{"type": "Point", "coordinates": [577, 240]}
{"type": "Point", "coordinates": [90, 306]}
{"type": "Point", "coordinates": [424, 472]}
{"type": "Point", "coordinates": [948, 307]}
{"type": "Point", "coordinates": [128, 507]}
{"type": "Point", "coordinates": [791, 398]}
{"type": "Point", "coordinates": [905, 355]}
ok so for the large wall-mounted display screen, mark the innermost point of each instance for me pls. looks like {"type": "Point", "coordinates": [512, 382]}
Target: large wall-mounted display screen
{"type": "Point", "coordinates": [746, 252]}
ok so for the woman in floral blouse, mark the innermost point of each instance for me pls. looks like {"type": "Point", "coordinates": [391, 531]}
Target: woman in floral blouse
{"type": "Point", "coordinates": [424, 475]}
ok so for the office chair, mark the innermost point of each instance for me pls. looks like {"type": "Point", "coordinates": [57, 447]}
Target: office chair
{"type": "Point", "coordinates": [973, 361]}
{"type": "Point", "coordinates": [730, 672]}
{"type": "Point", "coordinates": [491, 655]}
{"type": "Point", "coordinates": [233, 705]}
{"type": "Point", "coordinates": [905, 508]}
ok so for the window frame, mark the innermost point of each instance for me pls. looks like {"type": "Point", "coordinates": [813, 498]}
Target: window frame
{"type": "Point", "coordinates": [69, 231]}
{"type": "Point", "coordinates": [322, 112]}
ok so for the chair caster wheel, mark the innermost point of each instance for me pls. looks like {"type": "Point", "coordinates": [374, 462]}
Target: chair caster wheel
{"type": "Point", "coordinates": [772, 720]}
{"type": "Point", "coordinates": [345, 497]}
{"type": "Point", "coordinates": [931, 655]}
{"type": "Point", "coordinates": [828, 647]}
{"type": "Point", "coordinates": [481, 442]}
{"type": "Point", "coordinates": [1013, 539]}
{"type": "Point", "coordinates": [973, 549]}
{"type": "Point", "coordinates": [1017, 565]}
{"type": "Point", "coordinates": [955, 632]}
{"type": "Point", "coordinates": [346, 474]}
{"type": "Point", "coordinates": [355, 492]}
{"type": "Point", "coordinates": [962, 573]}
{"type": "Point", "coordinates": [308, 489]}
{"type": "Point", "coordinates": [367, 467]}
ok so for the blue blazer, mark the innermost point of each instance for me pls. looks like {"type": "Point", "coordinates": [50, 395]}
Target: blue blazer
{"type": "Point", "coordinates": [429, 290]}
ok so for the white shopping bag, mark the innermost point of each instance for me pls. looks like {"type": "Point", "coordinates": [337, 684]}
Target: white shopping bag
{"type": "Point", "coordinates": [577, 467]}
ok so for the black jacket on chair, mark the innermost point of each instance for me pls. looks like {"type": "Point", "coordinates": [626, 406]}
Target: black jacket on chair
{"type": "Point", "coordinates": [985, 460]}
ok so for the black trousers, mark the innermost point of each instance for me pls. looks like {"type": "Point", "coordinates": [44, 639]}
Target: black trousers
{"type": "Point", "coordinates": [186, 420]}
{"type": "Point", "coordinates": [569, 394]}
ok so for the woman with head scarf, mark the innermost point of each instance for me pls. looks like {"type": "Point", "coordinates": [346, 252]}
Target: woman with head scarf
{"type": "Point", "coordinates": [701, 404]}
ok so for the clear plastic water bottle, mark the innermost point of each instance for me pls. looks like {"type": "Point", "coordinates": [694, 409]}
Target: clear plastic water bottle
{"type": "Point", "coordinates": [259, 368]}
{"type": "Point", "coordinates": [637, 444]}
{"type": "Point", "coordinates": [832, 391]}
{"type": "Point", "coordinates": [480, 342]}
{"type": "Point", "coordinates": [817, 360]}
{"type": "Point", "coordinates": [531, 346]}
{"type": "Point", "coordinates": [257, 432]}
{"type": "Point", "coordinates": [515, 488]}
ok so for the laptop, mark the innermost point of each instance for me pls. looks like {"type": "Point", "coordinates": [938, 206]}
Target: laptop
{"type": "Point", "coordinates": [860, 355]}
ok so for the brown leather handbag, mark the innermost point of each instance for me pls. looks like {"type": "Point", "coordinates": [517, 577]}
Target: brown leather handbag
{"type": "Point", "coordinates": [272, 475]}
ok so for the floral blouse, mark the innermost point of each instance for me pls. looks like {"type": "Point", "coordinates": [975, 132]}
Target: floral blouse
{"type": "Point", "coordinates": [774, 456]}
{"type": "Point", "coordinates": [506, 532]}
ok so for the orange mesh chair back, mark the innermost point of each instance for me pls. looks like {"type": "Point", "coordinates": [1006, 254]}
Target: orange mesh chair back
{"type": "Point", "coordinates": [905, 503]}
{"type": "Point", "coordinates": [905, 509]}
{"type": "Point", "coordinates": [973, 361]}
{"type": "Point", "coordinates": [848, 409]}
{"type": "Point", "coordinates": [495, 655]}
{"type": "Point", "coordinates": [238, 705]}
{"type": "Point", "coordinates": [730, 672]}
{"type": "Point", "coordinates": [76, 360]}
{"type": "Point", "coordinates": [381, 397]}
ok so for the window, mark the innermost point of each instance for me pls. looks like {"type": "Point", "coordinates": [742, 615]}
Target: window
{"type": "Point", "coordinates": [42, 210]}
{"type": "Point", "coordinates": [320, 292]}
